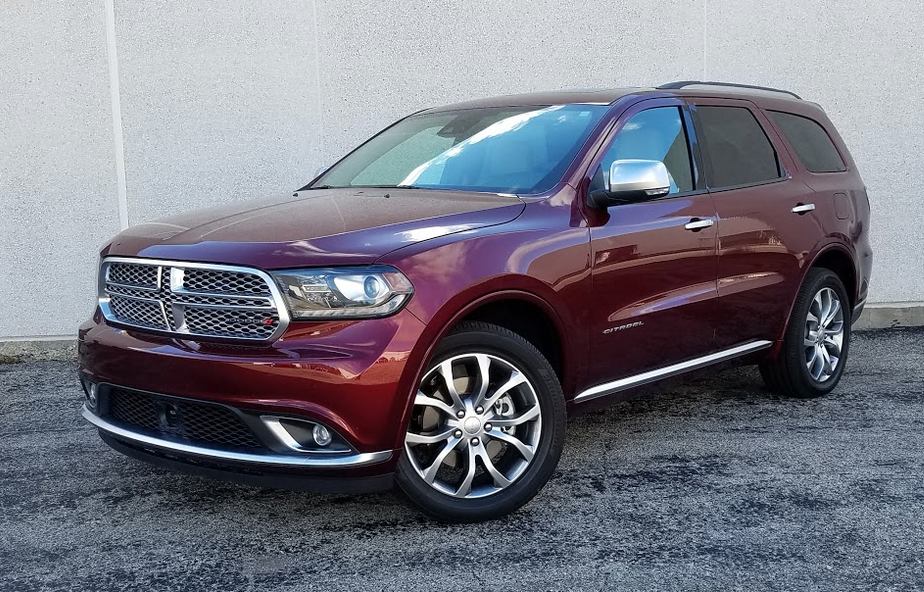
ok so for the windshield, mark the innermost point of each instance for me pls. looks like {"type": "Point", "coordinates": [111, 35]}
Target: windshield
{"type": "Point", "coordinates": [521, 150]}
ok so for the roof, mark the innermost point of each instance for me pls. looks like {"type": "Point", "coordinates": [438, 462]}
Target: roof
{"type": "Point", "coordinates": [562, 97]}
{"type": "Point", "coordinates": [609, 96]}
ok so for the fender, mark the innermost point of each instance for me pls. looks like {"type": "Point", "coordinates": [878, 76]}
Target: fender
{"type": "Point", "coordinates": [448, 317]}
{"type": "Point", "coordinates": [832, 244]}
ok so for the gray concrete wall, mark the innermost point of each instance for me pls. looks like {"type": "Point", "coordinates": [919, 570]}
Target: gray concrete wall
{"type": "Point", "coordinates": [207, 102]}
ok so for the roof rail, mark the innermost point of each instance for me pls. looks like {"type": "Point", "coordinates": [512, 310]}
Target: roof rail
{"type": "Point", "coordinates": [683, 83]}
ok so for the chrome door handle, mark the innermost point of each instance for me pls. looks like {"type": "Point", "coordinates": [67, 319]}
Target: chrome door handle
{"type": "Point", "coordinates": [696, 225]}
{"type": "Point", "coordinates": [803, 208]}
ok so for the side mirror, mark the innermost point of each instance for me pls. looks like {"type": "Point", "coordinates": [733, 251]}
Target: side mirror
{"type": "Point", "coordinates": [632, 181]}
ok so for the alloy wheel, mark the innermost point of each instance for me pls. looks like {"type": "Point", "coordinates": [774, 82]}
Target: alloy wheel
{"type": "Point", "coordinates": [475, 426]}
{"type": "Point", "coordinates": [824, 334]}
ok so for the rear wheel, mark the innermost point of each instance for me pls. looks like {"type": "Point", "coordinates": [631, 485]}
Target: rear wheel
{"type": "Point", "coordinates": [487, 427]}
{"type": "Point", "coordinates": [817, 339]}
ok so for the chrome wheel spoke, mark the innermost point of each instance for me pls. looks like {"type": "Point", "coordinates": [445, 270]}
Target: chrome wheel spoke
{"type": "Point", "coordinates": [413, 439]}
{"type": "Point", "coordinates": [832, 313]}
{"type": "Point", "coordinates": [811, 316]}
{"type": "Point", "coordinates": [527, 452]}
{"type": "Point", "coordinates": [516, 379]}
{"type": "Point", "coordinates": [825, 300]}
{"type": "Point", "coordinates": [424, 400]}
{"type": "Point", "coordinates": [429, 474]}
{"type": "Point", "coordinates": [826, 368]}
{"type": "Point", "coordinates": [465, 487]}
{"type": "Point", "coordinates": [812, 355]}
{"type": "Point", "coordinates": [449, 381]}
{"type": "Point", "coordinates": [500, 480]}
{"type": "Point", "coordinates": [817, 365]}
{"type": "Point", "coordinates": [520, 419]}
{"type": "Point", "coordinates": [484, 379]}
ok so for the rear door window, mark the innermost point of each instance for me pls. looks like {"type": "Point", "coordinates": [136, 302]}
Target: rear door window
{"type": "Point", "coordinates": [811, 142]}
{"type": "Point", "coordinates": [738, 151]}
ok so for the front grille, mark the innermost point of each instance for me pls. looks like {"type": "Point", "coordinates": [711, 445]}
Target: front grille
{"type": "Point", "coordinates": [144, 313]}
{"type": "Point", "coordinates": [192, 299]}
{"type": "Point", "coordinates": [227, 282]}
{"type": "Point", "coordinates": [133, 275]}
{"type": "Point", "coordinates": [197, 422]}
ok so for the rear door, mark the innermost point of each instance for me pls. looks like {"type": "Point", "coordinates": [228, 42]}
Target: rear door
{"type": "Point", "coordinates": [654, 262]}
{"type": "Point", "coordinates": [766, 226]}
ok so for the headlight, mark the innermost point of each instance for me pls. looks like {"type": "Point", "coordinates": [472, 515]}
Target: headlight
{"type": "Point", "coordinates": [344, 292]}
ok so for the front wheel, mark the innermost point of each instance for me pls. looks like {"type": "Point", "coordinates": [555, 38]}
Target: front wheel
{"type": "Point", "coordinates": [486, 429]}
{"type": "Point", "coordinates": [817, 340]}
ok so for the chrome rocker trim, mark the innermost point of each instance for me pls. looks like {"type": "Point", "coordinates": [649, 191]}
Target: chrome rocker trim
{"type": "Point", "coordinates": [622, 384]}
{"type": "Point", "coordinates": [303, 460]}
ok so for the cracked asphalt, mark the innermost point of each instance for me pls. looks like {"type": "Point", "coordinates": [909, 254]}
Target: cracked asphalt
{"type": "Point", "coordinates": [713, 484]}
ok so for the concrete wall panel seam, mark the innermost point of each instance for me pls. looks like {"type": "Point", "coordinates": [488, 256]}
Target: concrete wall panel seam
{"type": "Point", "coordinates": [116, 114]}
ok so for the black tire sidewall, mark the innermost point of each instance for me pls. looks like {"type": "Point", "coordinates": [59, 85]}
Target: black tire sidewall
{"type": "Point", "coordinates": [497, 341]}
{"type": "Point", "coordinates": [816, 281]}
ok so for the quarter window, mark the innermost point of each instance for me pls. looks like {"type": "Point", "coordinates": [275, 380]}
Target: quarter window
{"type": "Point", "coordinates": [653, 134]}
{"type": "Point", "coordinates": [738, 151]}
{"type": "Point", "coordinates": [811, 142]}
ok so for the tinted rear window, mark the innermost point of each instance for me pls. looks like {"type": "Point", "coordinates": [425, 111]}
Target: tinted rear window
{"type": "Point", "coordinates": [738, 151]}
{"type": "Point", "coordinates": [811, 142]}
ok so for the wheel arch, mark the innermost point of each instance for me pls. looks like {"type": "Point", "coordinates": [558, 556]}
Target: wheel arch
{"type": "Point", "coordinates": [836, 258]}
{"type": "Point", "coordinates": [506, 308]}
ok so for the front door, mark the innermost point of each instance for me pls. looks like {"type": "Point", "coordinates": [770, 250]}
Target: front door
{"type": "Point", "coordinates": [654, 262]}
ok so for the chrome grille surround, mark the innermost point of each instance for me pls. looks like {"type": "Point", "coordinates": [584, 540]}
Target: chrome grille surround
{"type": "Point", "coordinates": [192, 300]}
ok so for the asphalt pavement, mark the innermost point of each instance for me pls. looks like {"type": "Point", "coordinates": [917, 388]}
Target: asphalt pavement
{"type": "Point", "coordinates": [714, 484]}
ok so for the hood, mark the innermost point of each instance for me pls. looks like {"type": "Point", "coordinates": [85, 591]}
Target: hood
{"type": "Point", "coordinates": [314, 228]}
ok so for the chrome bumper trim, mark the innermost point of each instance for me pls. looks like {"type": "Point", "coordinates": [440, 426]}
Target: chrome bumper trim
{"type": "Point", "coordinates": [303, 460]}
{"type": "Point", "coordinates": [668, 371]}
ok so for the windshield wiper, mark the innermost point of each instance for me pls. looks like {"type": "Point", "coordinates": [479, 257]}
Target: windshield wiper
{"type": "Point", "coordinates": [306, 188]}
{"type": "Point", "coordinates": [386, 187]}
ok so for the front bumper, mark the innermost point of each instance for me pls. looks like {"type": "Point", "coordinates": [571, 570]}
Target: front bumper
{"type": "Point", "coordinates": [198, 452]}
{"type": "Point", "coordinates": [351, 377]}
{"type": "Point", "coordinates": [258, 476]}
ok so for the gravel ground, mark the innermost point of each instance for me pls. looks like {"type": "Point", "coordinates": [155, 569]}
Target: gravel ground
{"type": "Point", "coordinates": [712, 485]}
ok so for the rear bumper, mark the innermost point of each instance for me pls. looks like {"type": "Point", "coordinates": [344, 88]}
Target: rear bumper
{"type": "Point", "coordinates": [857, 311]}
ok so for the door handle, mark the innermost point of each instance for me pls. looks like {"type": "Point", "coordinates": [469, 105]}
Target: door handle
{"type": "Point", "coordinates": [696, 224]}
{"type": "Point", "coordinates": [802, 208]}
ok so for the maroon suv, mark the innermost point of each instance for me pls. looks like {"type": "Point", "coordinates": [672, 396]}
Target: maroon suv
{"type": "Point", "coordinates": [429, 309]}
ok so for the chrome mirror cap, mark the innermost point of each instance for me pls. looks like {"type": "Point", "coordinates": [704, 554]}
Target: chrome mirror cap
{"type": "Point", "coordinates": [633, 175]}
{"type": "Point", "coordinates": [631, 181]}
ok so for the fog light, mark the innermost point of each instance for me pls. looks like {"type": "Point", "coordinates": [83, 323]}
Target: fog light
{"type": "Point", "coordinates": [321, 435]}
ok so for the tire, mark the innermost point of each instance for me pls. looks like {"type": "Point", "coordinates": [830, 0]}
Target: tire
{"type": "Point", "coordinates": [800, 370]}
{"type": "Point", "coordinates": [519, 431]}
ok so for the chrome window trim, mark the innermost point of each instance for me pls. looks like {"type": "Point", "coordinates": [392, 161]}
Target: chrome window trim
{"type": "Point", "coordinates": [276, 298]}
{"type": "Point", "coordinates": [622, 384]}
{"type": "Point", "coordinates": [301, 460]}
